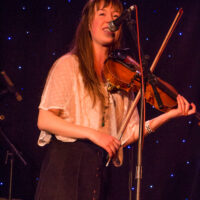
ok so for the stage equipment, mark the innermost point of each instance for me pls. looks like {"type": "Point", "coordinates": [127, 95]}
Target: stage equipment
{"type": "Point", "coordinates": [124, 73]}
{"type": "Point", "coordinates": [6, 87]}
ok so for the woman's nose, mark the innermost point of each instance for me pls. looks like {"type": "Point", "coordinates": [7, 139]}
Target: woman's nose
{"type": "Point", "coordinates": [109, 18]}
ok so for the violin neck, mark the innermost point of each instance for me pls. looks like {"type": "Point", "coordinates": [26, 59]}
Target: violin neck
{"type": "Point", "coordinates": [172, 94]}
{"type": "Point", "coordinates": [166, 90]}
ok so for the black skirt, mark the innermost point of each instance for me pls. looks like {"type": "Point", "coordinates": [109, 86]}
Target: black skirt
{"type": "Point", "coordinates": [73, 171]}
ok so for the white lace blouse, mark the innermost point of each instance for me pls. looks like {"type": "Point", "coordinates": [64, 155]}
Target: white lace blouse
{"type": "Point", "coordinates": [65, 90]}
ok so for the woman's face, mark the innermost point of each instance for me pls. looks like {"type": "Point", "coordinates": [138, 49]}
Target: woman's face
{"type": "Point", "coordinates": [100, 33]}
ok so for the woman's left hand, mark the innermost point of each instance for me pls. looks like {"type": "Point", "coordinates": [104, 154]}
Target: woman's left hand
{"type": "Point", "coordinates": [184, 108]}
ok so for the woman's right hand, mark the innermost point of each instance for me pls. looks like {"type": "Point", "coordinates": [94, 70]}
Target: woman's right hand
{"type": "Point", "coordinates": [107, 142]}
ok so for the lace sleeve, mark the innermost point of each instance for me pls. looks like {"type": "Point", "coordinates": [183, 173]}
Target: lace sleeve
{"type": "Point", "coordinates": [59, 84]}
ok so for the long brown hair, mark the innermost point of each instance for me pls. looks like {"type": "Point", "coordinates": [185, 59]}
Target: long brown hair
{"type": "Point", "coordinates": [82, 47]}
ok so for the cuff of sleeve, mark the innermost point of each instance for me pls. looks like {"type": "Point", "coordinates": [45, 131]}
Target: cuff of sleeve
{"type": "Point", "coordinates": [148, 128]}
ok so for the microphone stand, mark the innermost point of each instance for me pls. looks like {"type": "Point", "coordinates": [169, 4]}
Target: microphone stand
{"type": "Point", "coordinates": [133, 106]}
{"type": "Point", "coordinates": [138, 174]}
{"type": "Point", "coordinates": [11, 155]}
{"type": "Point", "coordinates": [169, 34]}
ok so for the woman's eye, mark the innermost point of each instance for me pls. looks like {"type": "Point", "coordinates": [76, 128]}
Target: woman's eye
{"type": "Point", "coordinates": [115, 16]}
{"type": "Point", "coordinates": [101, 14]}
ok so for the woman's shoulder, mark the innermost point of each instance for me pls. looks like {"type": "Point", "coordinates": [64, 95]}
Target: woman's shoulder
{"type": "Point", "coordinates": [66, 60]}
{"type": "Point", "coordinates": [66, 64]}
{"type": "Point", "coordinates": [68, 57]}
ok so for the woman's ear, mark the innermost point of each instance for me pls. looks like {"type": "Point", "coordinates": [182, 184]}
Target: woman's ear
{"type": "Point", "coordinates": [89, 31]}
{"type": "Point", "coordinates": [89, 27]}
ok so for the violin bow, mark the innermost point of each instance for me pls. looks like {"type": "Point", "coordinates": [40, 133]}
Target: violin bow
{"type": "Point", "coordinates": [168, 36]}
{"type": "Point", "coordinates": [152, 68]}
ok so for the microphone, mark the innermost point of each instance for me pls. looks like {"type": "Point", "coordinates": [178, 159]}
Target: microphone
{"type": "Point", "coordinates": [115, 24]}
{"type": "Point", "coordinates": [11, 86]}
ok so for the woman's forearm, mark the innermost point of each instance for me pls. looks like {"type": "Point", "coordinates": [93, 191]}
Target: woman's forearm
{"type": "Point", "coordinates": [49, 121]}
{"type": "Point", "coordinates": [184, 108]}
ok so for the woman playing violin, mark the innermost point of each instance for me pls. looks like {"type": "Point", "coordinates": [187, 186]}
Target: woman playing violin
{"type": "Point", "coordinates": [79, 118]}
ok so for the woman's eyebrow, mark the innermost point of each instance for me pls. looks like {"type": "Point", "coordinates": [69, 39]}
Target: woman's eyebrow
{"type": "Point", "coordinates": [114, 11]}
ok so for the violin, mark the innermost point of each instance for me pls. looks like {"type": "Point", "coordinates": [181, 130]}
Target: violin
{"type": "Point", "coordinates": [122, 72]}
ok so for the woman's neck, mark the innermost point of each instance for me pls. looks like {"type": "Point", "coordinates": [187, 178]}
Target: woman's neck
{"type": "Point", "coordinates": [100, 55]}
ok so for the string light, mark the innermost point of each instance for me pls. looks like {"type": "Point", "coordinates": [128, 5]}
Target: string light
{"type": "Point", "coordinates": [157, 141]}
{"type": "Point", "coordinates": [183, 140]}
{"type": "Point", "coordinates": [10, 37]}
{"type": "Point", "coordinates": [23, 7]}
{"type": "Point", "coordinates": [172, 175]}
{"type": "Point", "coordinates": [180, 33]}
{"type": "Point", "coordinates": [125, 3]}
{"type": "Point", "coordinates": [169, 55]}
{"type": "Point", "coordinates": [151, 186]}
{"type": "Point", "coordinates": [188, 162]}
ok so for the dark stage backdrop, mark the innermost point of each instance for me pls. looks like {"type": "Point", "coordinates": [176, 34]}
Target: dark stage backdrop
{"type": "Point", "coordinates": [35, 33]}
